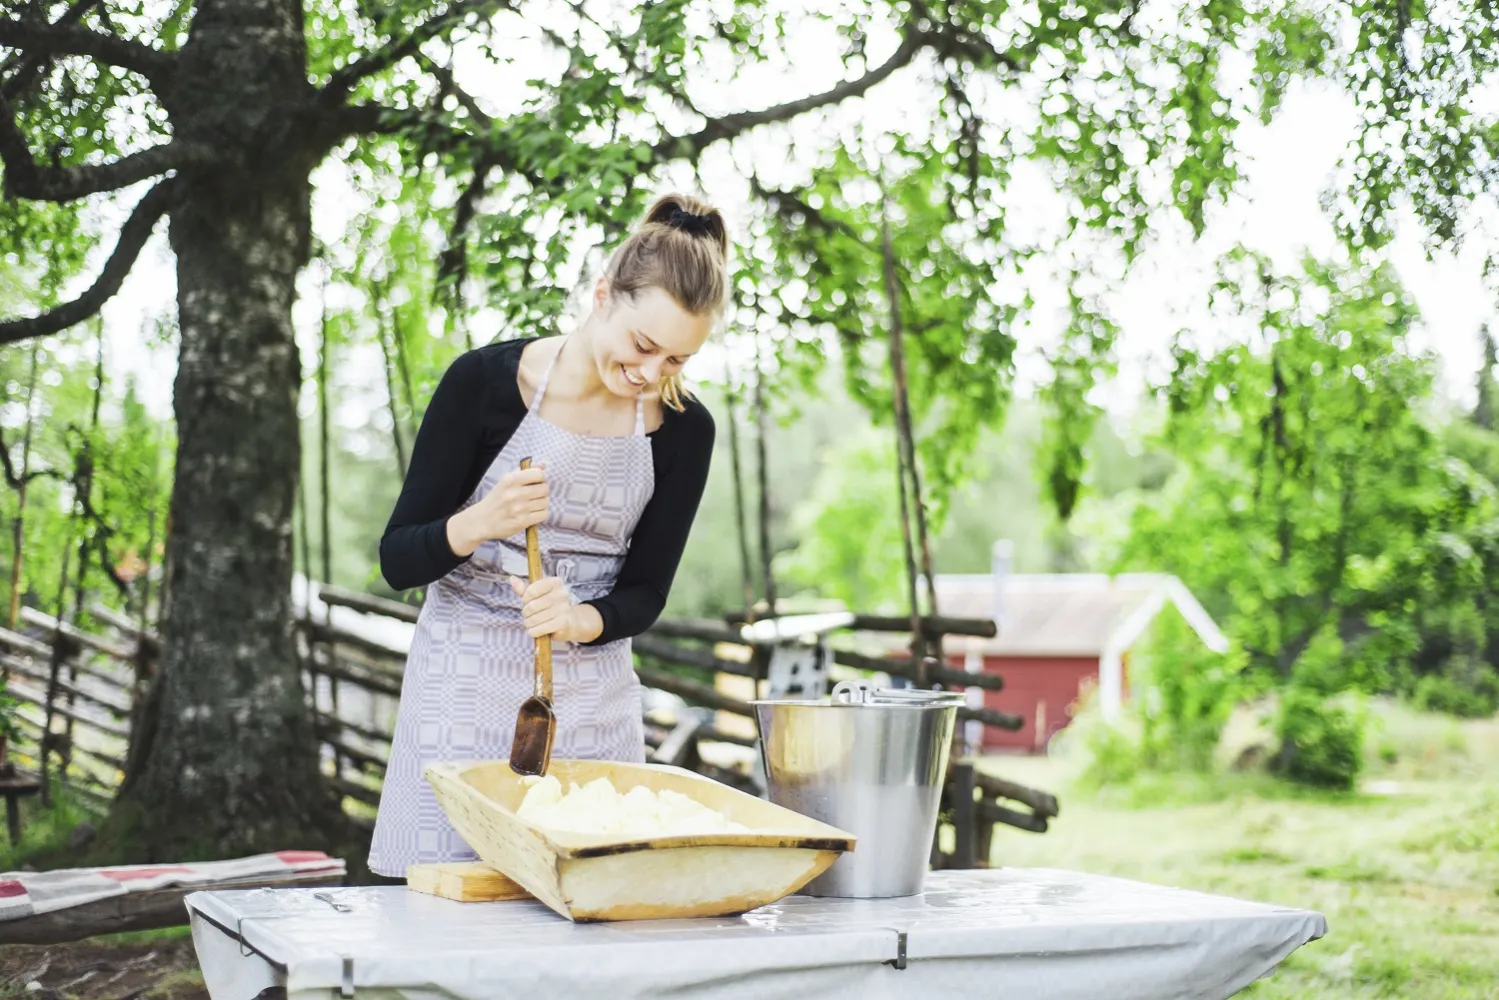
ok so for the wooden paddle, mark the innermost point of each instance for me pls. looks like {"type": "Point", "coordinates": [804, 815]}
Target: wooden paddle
{"type": "Point", "coordinates": [536, 723]}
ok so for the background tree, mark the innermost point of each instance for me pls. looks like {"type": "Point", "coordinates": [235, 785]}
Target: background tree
{"type": "Point", "coordinates": [1316, 510]}
{"type": "Point", "coordinates": [1483, 411]}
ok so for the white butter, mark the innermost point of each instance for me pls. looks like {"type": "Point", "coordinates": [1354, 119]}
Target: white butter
{"type": "Point", "coordinates": [598, 808]}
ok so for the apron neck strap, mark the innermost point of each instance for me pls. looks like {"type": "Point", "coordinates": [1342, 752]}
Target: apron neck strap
{"type": "Point", "coordinates": [546, 378]}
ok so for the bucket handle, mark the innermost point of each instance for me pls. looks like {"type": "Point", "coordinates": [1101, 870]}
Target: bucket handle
{"type": "Point", "coordinates": [862, 692]}
{"type": "Point", "coordinates": [853, 693]}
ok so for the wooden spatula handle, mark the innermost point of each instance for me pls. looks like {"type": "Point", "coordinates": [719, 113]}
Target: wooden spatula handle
{"type": "Point", "coordinates": [544, 642]}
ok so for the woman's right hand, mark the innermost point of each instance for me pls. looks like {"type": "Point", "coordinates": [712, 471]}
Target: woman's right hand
{"type": "Point", "coordinates": [517, 501]}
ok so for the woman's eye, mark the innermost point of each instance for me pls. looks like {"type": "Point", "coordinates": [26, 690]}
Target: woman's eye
{"type": "Point", "coordinates": [642, 348]}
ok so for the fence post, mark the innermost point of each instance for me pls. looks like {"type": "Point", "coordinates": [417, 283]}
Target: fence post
{"type": "Point", "coordinates": [964, 815]}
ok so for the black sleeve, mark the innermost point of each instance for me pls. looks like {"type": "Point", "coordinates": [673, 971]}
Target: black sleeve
{"type": "Point", "coordinates": [656, 547]}
{"type": "Point", "coordinates": [414, 550]}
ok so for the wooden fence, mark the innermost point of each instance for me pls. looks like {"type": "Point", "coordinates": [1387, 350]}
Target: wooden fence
{"type": "Point", "coordinates": [81, 688]}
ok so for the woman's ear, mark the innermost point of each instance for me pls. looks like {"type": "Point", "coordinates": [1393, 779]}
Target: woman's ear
{"type": "Point", "coordinates": [602, 295]}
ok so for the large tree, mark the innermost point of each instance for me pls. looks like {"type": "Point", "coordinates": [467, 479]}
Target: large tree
{"type": "Point", "coordinates": [214, 116]}
{"type": "Point", "coordinates": [1313, 507]}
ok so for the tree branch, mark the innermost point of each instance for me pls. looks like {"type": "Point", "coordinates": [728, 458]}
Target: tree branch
{"type": "Point", "coordinates": [40, 38]}
{"type": "Point", "coordinates": [449, 85]}
{"type": "Point", "coordinates": [24, 178]}
{"type": "Point", "coordinates": [622, 49]}
{"type": "Point", "coordinates": [103, 531]}
{"type": "Point", "coordinates": [30, 69]}
{"type": "Point", "coordinates": [453, 261]}
{"type": "Point", "coordinates": [344, 80]}
{"type": "Point", "coordinates": [364, 119]}
{"type": "Point", "coordinates": [13, 478]}
{"type": "Point", "coordinates": [796, 210]}
{"type": "Point", "coordinates": [730, 126]}
{"type": "Point", "coordinates": [133, 236]}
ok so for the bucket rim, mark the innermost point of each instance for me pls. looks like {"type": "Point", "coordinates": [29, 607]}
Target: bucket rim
{"type": "Point", "coordinates": [952, 700]}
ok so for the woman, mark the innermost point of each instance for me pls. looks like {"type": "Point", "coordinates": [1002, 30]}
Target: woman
{"type": "Point", "coordinates": [621, 456]}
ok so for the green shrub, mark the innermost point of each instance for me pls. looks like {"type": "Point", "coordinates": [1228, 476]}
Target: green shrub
{"type": "Point", "coordinates": [1321, 740]}
{"type": "Point", "coordinates": [1468, 695]}
{"type": "Point", "coordinates": [1183, 695]}
{"type": "Point", "coordinates": [1112, 753]}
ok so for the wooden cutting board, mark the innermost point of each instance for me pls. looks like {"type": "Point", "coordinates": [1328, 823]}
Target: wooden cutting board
{"type": "Point", "coordinates": [465, 881]}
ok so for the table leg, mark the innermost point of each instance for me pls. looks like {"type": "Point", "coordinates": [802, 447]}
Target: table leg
{"type": "Point", "coordinates": [13, 819]}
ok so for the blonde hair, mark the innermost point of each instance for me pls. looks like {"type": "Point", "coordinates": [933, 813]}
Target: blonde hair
{"type": "Point", "coordinates": [681, 246]}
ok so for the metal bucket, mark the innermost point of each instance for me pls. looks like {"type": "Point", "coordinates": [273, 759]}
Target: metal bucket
{"type": "Point", "coordinates": [869, 761]}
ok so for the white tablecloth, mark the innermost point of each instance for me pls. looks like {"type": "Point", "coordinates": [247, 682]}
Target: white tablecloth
{"type": "Point", "coordinates": [1040, 934]}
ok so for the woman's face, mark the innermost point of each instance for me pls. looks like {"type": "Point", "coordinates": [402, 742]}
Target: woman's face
{"type": "Point", "coordinates": [641, 339]}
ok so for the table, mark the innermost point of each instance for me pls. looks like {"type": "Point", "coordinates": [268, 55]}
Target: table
{"type": "Point", "coordinates": [1040, 934]}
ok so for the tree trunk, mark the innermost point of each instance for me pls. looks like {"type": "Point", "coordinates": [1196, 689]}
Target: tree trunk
{"type": "Point", "coordinates": [905, 453]}
{"type": "Point", "coordinates": [17, 557]}
{"type": "Point", "coordinates": [225, 761]}
{"type": "Point", "coordinates": [746, 569]}
{"type": "Point", "coordinates": [762, 422]}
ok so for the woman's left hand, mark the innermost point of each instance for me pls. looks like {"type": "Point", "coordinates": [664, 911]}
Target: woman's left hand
{"type": "Point", "coordinates": [548, 609]}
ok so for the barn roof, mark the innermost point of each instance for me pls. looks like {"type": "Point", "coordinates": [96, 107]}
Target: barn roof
{"type": "Point", "coordinates": [1067, 614]}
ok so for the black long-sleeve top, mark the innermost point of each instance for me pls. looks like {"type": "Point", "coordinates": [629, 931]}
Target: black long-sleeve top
{"type": "Point", "coordinates": [473, 413]}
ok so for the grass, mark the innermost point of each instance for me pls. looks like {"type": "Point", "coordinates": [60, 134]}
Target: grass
{"type": "Point", "coordinates": [45, 831]}
{"type": "Point", "coordinates": [1406, 870]}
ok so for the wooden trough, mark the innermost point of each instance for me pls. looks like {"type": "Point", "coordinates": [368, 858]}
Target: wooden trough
{"type": "Point", "coordinates": [602, 877]}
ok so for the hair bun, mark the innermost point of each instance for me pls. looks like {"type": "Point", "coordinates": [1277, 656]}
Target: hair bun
{"type": "Point", "coordinates": [691, 222]}
{"type": "Point", "coordinates": [692, 216]}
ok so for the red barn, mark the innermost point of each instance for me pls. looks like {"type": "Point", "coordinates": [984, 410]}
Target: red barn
{"type": "Point", "coordinates": [1058, 632]}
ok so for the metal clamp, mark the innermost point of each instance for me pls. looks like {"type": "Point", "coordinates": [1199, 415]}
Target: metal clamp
{"type": "Point", "coordinates": [239, 938]}
{"type": "Point", "coordinates": [899, 961]}
{"type": "Point", "coordinates": [337, 905]}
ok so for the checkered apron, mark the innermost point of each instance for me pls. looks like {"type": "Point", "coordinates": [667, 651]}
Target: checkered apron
{"type": "Point", "coordinates": [472, 663]}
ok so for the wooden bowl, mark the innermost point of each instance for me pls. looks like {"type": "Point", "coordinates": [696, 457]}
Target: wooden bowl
{"type": "Point", "coordinates": [603, 877]}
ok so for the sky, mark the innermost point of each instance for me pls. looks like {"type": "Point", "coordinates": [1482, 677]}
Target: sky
{"type": "Point", "coordinates": [1276, 210]}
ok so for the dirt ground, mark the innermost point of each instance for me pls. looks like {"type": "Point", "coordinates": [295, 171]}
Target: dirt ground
{"type": "Point", "coordinates": [130, 967]}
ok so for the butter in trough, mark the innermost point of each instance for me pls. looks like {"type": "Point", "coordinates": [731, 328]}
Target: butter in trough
{"type": "Point", "coordinates": [589, 877]}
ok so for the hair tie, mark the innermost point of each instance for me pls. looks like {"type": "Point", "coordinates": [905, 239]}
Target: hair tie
{"type": "Point", "coordinates": [680, 218]}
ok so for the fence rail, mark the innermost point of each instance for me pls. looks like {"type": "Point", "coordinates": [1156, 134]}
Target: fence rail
{"type": "Point", "coordinates": [78, 688]}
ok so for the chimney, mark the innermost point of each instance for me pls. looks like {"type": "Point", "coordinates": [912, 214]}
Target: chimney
{"type": "Point", "coordinates": [1002, 562]}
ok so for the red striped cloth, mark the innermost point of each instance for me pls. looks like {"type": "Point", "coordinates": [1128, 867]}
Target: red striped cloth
{"type": "Point", "coordinates": [23, 894]}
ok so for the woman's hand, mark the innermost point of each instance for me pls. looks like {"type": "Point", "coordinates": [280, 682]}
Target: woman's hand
{"type": "Point", "coordinates": [517, 501]}
{"type": "Point", "coordinates": [548, 609]}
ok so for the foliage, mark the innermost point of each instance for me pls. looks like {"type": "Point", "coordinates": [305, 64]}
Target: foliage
{"type": "Point", "coordinates": [1472, 694]}
{"type": "Point", "coordinates": [1418, 75]}
{"type": "Point", "coordinates": [127, 458]}
{"type": "Point", "coordinates": [9, 727]}
{"type": "Point", "coordinates": [1085, 358]}
{"type": "Point", "coordinates": [495, 197]}
{"type": "Point", "coordinates": [1183, 693]}
{"type": "Point", "coordinates": [1322, 740]}
{"type": "Point", "coordinates": [1314, 509]}
{"type": "Point", "coordinates": [836, 516]}
{"type": "Point", "coordinates": [1104, 753]}
{"type": "Point", "coordinates": [1180, 696]}
{"type": "Point", "coordinates": [850, 543]}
